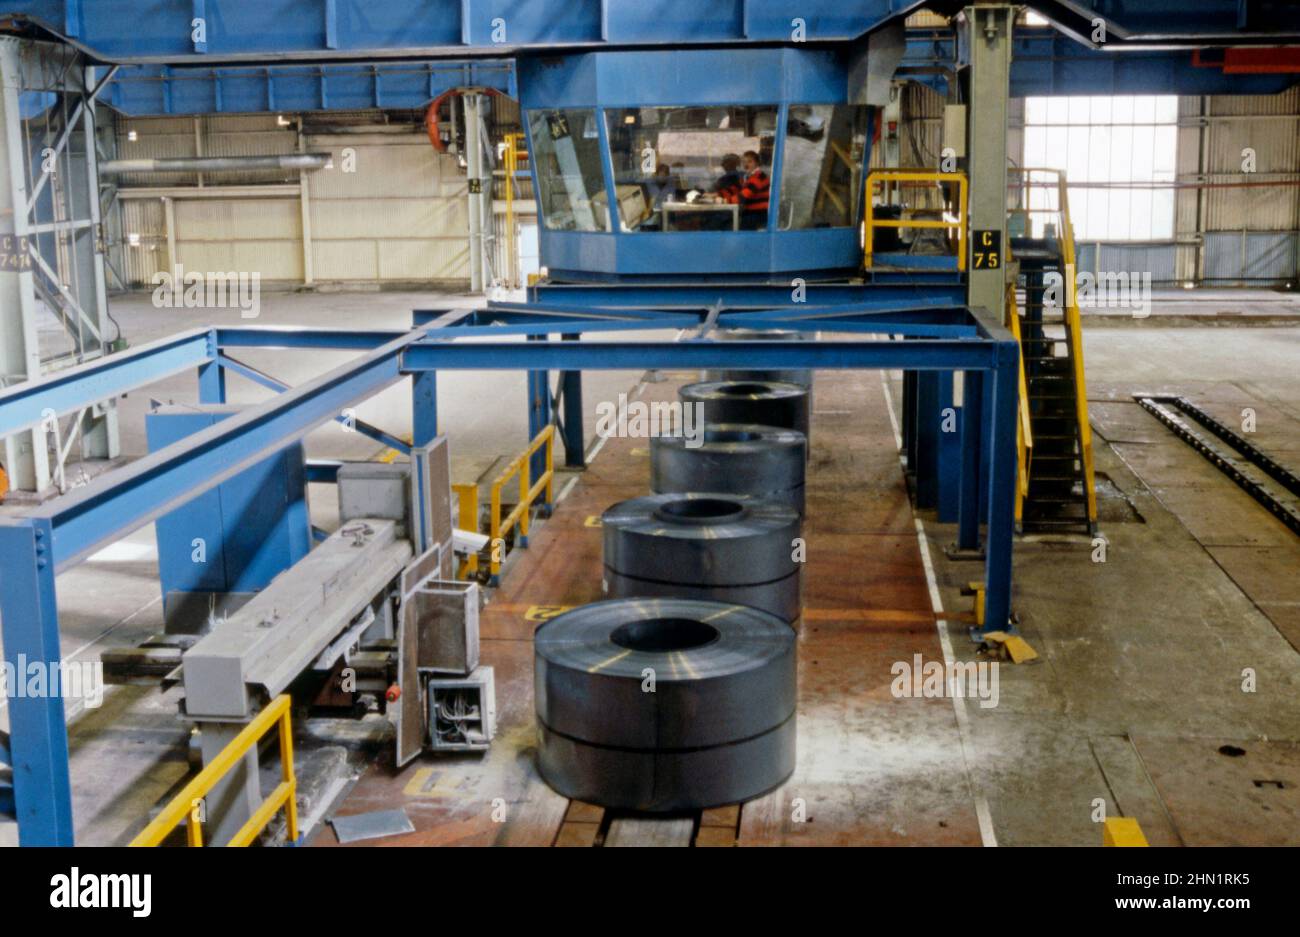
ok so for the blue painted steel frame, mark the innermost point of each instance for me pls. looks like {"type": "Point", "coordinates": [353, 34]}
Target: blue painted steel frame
{"type": "Point", "coordinates": [942, 338]}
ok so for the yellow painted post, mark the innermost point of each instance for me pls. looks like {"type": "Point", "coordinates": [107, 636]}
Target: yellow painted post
{"type": "Point", "coordinates": [525, 488]}
{"type": "Point", "coordinates": [287, 774]}
{"type": "Point", "coordinates": [194, 831]}
{"type": "Point", "coordinates": [550, 465]}
{"type": "Point", "coordinates": [495, 545]}
{"type": "Point", "coordinates": [1122, 831]}
{"type": "Point", "coordinates": [467, 519]}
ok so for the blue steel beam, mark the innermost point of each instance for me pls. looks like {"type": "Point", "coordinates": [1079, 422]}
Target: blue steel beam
{"type": "Point", "coordinates": [922, 354]}
{"type": "Point", "coordinates": [146, 90]}
{"type": "Point", "coordinates": [361, 426]}
{"type": "Point", "coordinates": [1045, 62]}
{"type": "Point", "coordinates": [25, 405]}
{"type": "Point", "coordinates": [119, 502]}
{"type": "Point", "coordinates": [323, 30]}
{"type": "Point", "coordinates": [735, 296]}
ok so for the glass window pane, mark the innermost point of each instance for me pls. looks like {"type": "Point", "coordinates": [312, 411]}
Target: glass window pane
{"type": "Point", "coordinates": [1144, 109]}
{"type": "Point", "coordinates": [1162, 214]}
{"type": "Point", "coordinates": [1122, 110]}
{"type": "Point", "coordinates": [566, 151]}
{"type": "Point", "coordinates": [1165, 153]}
{"type": "Point", "coordinates": [821, 168]}
{"type": "Point", "coordinates": [693, 168]}
{"type": "Point", "coordinates": [1035, 110]}
{"type": "Point", "coordinates": [1101, 110]}
{"type": "Point", "coordinates": [1167, 109]}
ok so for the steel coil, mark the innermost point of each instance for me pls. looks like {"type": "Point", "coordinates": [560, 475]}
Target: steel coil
{"type": "Point", "coordinates": [716, 546]}
{"type": "Point", "coordinates": [736, 458]}
{"type": "Point", "coordinates": [665, 704]}
{"type": "Point", "coordinates": [769, 403]}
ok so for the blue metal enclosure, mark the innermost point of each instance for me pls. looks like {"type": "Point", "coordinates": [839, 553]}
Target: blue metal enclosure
{"type": "Point", "coordinates": [602, 123]}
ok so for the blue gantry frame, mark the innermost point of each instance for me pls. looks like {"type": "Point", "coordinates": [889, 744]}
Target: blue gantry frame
{"type": "Point", "coordinates": [919, 329]}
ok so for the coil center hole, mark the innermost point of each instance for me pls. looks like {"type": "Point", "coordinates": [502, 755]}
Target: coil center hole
{"type": "Point", "coordinates": [661, 635]}
{"type": "Point", "coordinates": [701, 509]}
{"type": "Point", "coordinates": [729, 435]}
{"type": "Point", "coordinates": [742, 390]}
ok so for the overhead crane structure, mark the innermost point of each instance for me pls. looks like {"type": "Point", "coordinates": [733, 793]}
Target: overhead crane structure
{"type": "Point", "coordinates": [584, 73]}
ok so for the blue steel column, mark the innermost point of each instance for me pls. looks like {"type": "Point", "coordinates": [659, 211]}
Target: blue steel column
{"type": "Point", "coordinates": [539, 415]}
{"type": "Point", "coordinates": [972, 432]}
{"type": "Point", "coordinates": [571, 389]}
{"type": "Point", "coordinates": [948, 454]}
{"type": "Point", "coordinates": [212, 376]}
{"type": "Point", "coordinates": [927, 438]}
{"type": "Point", "coordinates": [38, 743]}
{"type": "Point", "coordinates": [1002, 483]}
{"type": "Point", "coordinates": [424, 407]}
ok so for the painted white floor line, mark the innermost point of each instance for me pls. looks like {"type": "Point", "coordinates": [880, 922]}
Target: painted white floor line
{"type": "Point", "coordinates": [982, 812]}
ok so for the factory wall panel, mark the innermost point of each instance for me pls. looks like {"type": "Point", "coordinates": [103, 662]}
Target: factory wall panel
{"type": "Point", "coordinates": [396, 200]}
{"type": "Point", "coordinates": [388, 207]}
{"type": "Point", "coordinates": [1267, 125]}
{"type": "Point", "coordinates": [1231, 257]}
{"type": "Point", "coordinates": [1159, 258]}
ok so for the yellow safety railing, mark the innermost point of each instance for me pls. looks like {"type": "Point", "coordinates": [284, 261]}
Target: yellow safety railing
{"type": "Point", "coordinates": [513, 154]}
{"type": "Point", "coordinates": [1024, 431]}
{"type": "Point", "coordinates": [187, 806]}
{"type": "Point", "coordinates": [528, 492]}
{"type": "Point", "coordinates": [885, 178]}
{"type": "Point", "coordinates": [1048, 181]}
{"type": "Point", "coordinates": [467, 519]}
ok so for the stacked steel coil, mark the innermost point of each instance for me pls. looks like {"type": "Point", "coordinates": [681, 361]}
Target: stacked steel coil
{"type": "Point", "coordinates": [769, 403]}
{"type": "Point", "coordinates": [736, 458]}
{"type": "Point", "coordinates": [665, 705]}
{"type": "Point", "coordinates": [718, 547]}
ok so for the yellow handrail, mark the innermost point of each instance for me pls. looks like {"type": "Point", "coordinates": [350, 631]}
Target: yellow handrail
{"type": "Point", "coordinates": [512, 166]}
{"type": "Point", "coordinates": [187, 805]}
{"type": "Point", "coordinates": [467, 519]}
{"type": "Point", "coordinates": [887, 176]}
{"type": "Point", "coordinates": [1073, 318]}
{"type": "Point", "coordinates": [1024, 430]}
{"type": "Point", "coordinates": [528, 492]}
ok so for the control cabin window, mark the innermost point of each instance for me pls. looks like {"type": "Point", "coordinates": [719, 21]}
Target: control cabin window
{"type": "Point", "coordinates": [566, 149]}
{"type": "Point", "coordinates": [692, 168]}
{"type": "Point", "coordinates": [821, 173]}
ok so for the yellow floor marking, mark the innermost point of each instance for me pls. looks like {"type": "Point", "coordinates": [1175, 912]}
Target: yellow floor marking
{"type": "Point", "coordinates": [540, 612]}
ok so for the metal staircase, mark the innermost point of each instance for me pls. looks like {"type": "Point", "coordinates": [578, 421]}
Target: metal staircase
{"type": "Point", "coordinates": [1060, 494]}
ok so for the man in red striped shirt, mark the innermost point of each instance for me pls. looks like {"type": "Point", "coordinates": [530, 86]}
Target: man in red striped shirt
{"type": "Point", "coordinates": [753, 195]}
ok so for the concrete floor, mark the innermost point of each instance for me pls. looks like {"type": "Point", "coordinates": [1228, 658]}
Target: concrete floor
{"type": "Point", "coordinates": [1140, 681]}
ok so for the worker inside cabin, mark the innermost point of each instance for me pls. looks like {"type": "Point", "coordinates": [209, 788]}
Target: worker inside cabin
{"type": "Point", "coordinates": [750, 191]}
{"type": "Point", "coordinates": [661, 187]}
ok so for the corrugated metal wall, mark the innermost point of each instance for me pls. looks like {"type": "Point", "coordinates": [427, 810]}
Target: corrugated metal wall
{"type": "Point", "coordinates": [1249, 230]}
